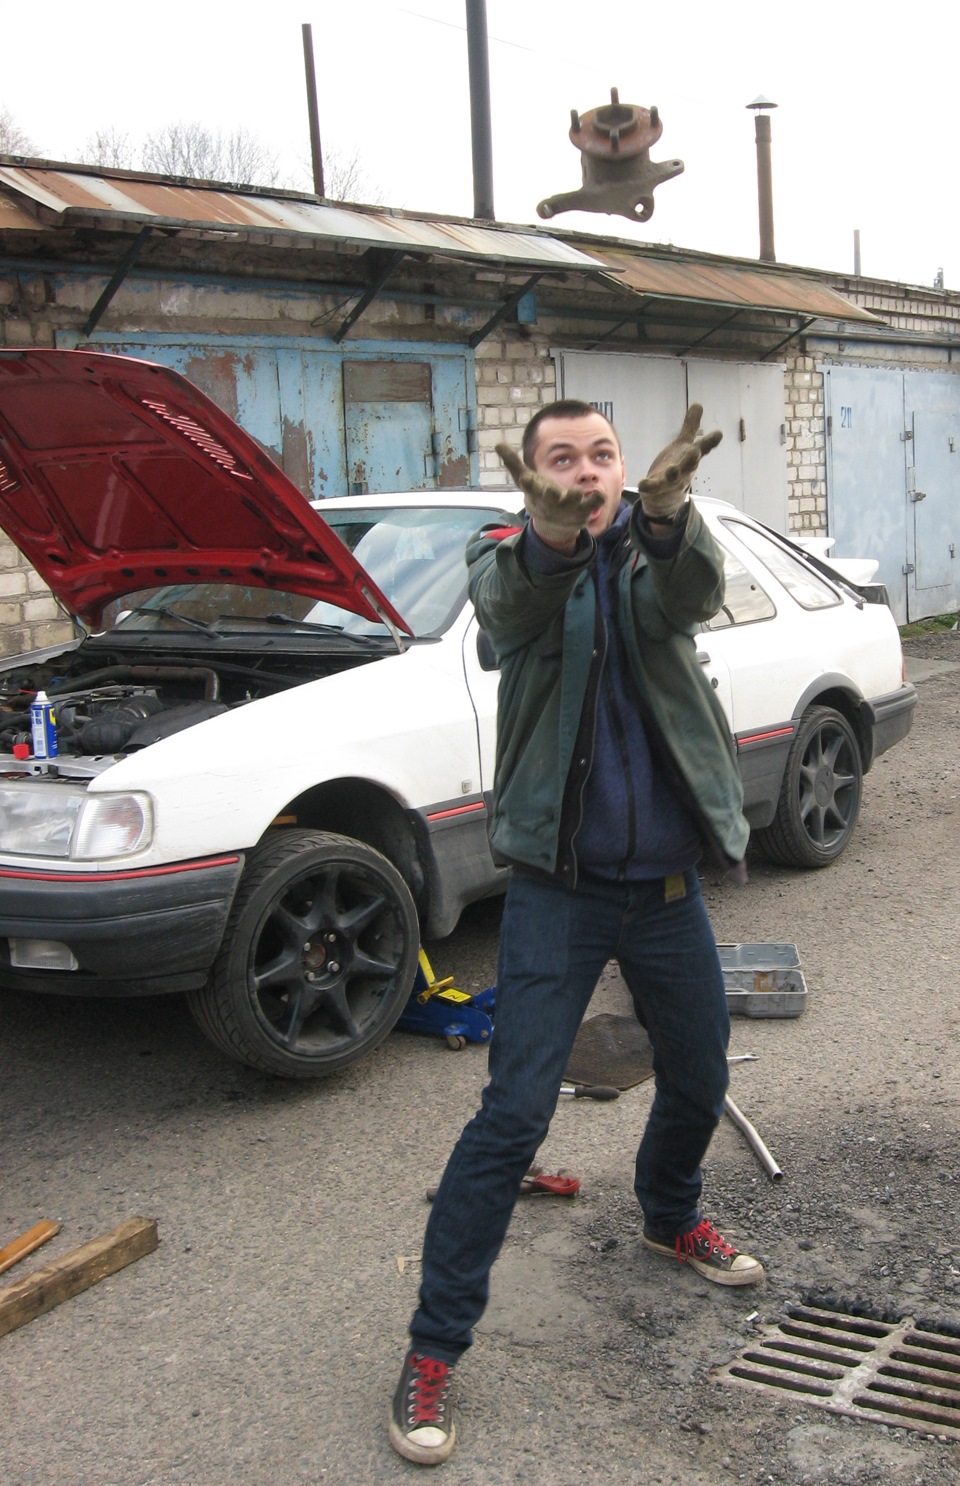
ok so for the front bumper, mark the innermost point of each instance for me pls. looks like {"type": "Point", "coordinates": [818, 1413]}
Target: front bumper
{"type": "Point", "coordinates": [132, 933]}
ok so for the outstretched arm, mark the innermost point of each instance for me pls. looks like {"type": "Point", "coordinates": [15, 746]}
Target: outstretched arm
{"type": "Point", "coordinates": [558, 514]}
{"type": "Point", "coordinates": [668, 480]}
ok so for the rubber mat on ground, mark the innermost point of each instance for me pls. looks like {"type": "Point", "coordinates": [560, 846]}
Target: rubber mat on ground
{"type": "Point", "coordinates": [612, 1050]}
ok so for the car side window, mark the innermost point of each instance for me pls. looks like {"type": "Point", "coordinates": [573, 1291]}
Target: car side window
{"type": "Point", "coordinates": [801, 582]}
{"type": "Point", "coordinates": [744, 601]}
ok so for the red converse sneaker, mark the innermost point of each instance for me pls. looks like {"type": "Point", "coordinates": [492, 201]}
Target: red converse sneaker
{"type": "Point", "coordinates": [421, 1426]}
{"type": "Point", "coordinates": [708, 1252]}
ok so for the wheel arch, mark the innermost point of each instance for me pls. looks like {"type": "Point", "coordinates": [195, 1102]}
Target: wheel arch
{"type": "Point", "coordinates": [369, 813]}
{"type": "Point", "coordinates": [834, 690]}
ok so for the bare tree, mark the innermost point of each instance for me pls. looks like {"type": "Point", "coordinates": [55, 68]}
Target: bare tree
{"type": "Point", "coordinates": [110, 148]}
{"type": "Point", "coordinates": [245, 159]}
{"type": "Point", "coordinates": [13, 139]}
{"type": "Point", "coordinates": [345, 178]}
{"type": "Point", "coordinates": [188, 149]}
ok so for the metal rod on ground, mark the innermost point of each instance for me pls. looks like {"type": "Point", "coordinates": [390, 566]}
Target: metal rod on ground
{"type": "Point", "coordinates": [740, 1120]}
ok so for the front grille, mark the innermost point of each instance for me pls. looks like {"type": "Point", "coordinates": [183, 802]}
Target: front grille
{"type": "Point", "coordinates": [905, 1374]}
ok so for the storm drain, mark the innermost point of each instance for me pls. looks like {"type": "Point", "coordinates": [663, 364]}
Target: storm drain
{"type": "Point", "coordinates": [905, 1374]}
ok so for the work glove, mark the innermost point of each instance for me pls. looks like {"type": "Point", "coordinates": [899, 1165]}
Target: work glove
{"type": "Point", "coordinates": [671, 474]}
{"type": "Point", "coordinates": [558, 514]}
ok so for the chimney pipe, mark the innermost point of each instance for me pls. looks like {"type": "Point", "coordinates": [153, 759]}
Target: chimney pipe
{"type": "Point", "coordinates": [764, 177]}
{"type": "Point", "coordinates": [480, 129]}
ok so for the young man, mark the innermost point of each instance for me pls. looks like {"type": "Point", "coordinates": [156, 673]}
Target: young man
{"type": "Point", "coordinates": [615, 768]}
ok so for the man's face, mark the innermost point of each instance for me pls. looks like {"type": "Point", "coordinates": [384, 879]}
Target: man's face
{"type": "Point", "coordinates": [583, 452]}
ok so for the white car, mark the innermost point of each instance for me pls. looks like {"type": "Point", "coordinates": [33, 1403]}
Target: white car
{"type": "Point", "coordinates": [276, 731]}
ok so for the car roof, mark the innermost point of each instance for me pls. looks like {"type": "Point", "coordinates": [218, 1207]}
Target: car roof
{"type": "Point", "coordinates": [497, 498]}
{"type": "Point", "coordinates": [511, 499]}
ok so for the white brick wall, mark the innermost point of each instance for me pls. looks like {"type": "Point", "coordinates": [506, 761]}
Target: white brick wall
{"type": "Point", "coordinates": [523, 378]}
{"type": "Point", "coordinates": [805, 446]}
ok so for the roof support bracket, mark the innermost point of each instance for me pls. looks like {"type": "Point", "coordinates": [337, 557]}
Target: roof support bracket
{"type": "Point", "coordinates": [370, 293]}
{"type": "Point", "coordinates": [804, 326]}
{"type": "Point", "coordinates": [503, 311]}
{"type": "Point", "coordinates": [721, 325]}
{"type": "Point", "coordinates": [123, 268]}
{"type": "Point", "coordinates": [635, 319]}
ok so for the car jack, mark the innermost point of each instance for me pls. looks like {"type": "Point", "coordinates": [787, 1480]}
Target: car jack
{"type": "Point", "coordinates": [437, 1008]}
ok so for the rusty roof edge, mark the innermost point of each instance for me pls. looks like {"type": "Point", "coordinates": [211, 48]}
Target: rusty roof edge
{"type": "Point", "coordinates": [25, 178]}
{"type": "Point", "coordinates": [106, 172]}
{"type": "Point", "coordinates": [736, 269]}
{"type": "Point", "coordinates": [669, 252]}
{"type": "Point", "coordinates": [284, 193]}
{"type": "Point", "coordinates": [585, 243]}
{"type": "Point", "coordinates": [857, 315]}
{"type": "Point", "coordinates": [515, 262]}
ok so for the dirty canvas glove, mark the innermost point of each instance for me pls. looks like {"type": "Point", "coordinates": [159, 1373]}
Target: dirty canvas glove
{"type": "Point", "coordinates": [558, 514]}
{"type": "Point", "coordinates": [671, 474]}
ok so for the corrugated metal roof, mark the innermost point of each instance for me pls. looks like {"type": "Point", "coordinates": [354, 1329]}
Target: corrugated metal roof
{"type": "Point", "coordinates": [731, 285]}
{"type": "Point", "coordinates": [15, 216]}
{"type": "Point", "coordinates": [74, 193]}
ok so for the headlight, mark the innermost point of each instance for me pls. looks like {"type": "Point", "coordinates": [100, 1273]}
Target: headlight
{"type": "Point", "coordinates": [53, 820]}
{"type": "Point", "coordinates": [38, 822]}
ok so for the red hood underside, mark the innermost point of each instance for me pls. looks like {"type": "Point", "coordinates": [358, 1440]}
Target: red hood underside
{"type": "Point", "coordinates": [117, 475]}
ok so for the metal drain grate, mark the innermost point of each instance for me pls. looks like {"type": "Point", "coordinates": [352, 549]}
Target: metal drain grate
{"type": "Point", "coordinates": [904, 1373]}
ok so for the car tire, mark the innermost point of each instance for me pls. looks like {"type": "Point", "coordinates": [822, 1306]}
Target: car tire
{"type": "Point", "coordinates": [318, 957]}
{"type": "Point", "coordinates": [820, 795]}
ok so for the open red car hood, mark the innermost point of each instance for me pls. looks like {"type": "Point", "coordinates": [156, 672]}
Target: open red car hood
{"type": "Point", "coordinates": [117, 474]}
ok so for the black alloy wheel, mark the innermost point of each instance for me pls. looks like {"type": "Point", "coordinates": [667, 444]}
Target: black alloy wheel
{"type": "Point", "coordinates": [318, 957]}
{"type": "Point", "coordinates": [820, 795]}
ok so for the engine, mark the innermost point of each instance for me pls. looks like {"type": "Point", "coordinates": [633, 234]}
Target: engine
{"type": "Point", "coordinates": [108, 703]}
{"type": "Point", "coordinates": [105, 719]}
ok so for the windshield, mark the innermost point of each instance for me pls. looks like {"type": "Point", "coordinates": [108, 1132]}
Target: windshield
{"type": "Point", "coordinates": [415, 555]}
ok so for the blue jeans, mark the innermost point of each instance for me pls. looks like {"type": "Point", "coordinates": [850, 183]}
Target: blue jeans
{"type": "Point", "coordinates": [554, 945]}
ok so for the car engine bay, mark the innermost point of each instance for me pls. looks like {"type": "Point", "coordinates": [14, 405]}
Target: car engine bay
{"type": "Point", "coordinates": [109, 704]}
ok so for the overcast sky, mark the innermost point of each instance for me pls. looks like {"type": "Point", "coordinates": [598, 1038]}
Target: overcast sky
{"type": "Point", "coordinates": [864, 135]}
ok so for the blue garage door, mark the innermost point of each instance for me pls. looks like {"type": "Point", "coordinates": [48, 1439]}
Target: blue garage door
{"type": "Point", "coordinates": [893, 480]}
{"type": "Point", "coordinates": [366, 418]}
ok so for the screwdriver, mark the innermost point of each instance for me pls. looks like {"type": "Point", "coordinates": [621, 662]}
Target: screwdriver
{"type": "Point", "coordinates": [590, 1091]}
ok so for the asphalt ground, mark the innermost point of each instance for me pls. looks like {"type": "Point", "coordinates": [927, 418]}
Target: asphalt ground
{"type": "Point", "coordinates": [261, 1342]}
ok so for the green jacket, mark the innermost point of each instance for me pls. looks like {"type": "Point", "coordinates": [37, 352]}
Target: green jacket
{"type": "Point", "coordinates": [542, 628]}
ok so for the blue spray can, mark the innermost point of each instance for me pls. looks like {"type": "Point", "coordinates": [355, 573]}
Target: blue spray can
{"type": "Point", "coordinates": [43, 726]}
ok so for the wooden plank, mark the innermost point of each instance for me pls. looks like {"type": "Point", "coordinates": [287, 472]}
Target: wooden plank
{"type": "Point", "coordinates": [39, 1292]}
{"type": "Point", "coordinates": [20, 1247]}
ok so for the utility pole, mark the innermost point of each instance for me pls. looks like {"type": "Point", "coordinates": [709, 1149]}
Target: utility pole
{"type": "Point", "coordinates": [480, 129]}
{"type": "Point", "coordinates": [312, 111]}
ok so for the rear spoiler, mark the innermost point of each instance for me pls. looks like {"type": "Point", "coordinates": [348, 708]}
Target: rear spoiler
{"type": "Point", "coordinates": [867, 593]}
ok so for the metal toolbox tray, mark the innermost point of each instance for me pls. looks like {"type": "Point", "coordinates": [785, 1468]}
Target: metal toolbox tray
{"type": "Point", "coordinates": [763, 979]}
